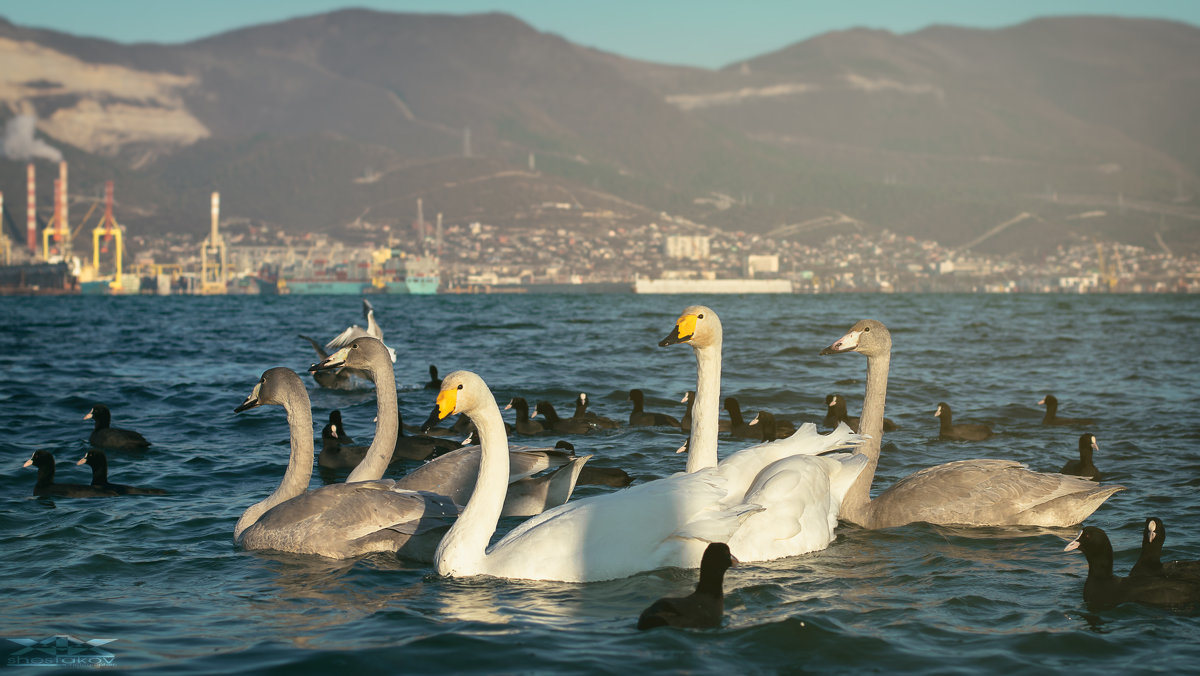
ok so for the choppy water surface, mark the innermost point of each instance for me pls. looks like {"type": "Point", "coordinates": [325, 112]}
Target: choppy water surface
{"type": "Point", "coordinates": [162, 577]}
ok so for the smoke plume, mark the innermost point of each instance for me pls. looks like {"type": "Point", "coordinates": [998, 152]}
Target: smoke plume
{"type": "Point", "coordinates": [19, 143]}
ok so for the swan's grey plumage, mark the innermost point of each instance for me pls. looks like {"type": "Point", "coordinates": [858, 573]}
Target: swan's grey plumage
{"type": "Point", "coordinates": [966, 492]}
{"type": "Point", "coordinates": [338, 520]}
{"type": "Point", "coordinates": [373, 330]}
{"type": "Point", "coordinates": [370, 356]}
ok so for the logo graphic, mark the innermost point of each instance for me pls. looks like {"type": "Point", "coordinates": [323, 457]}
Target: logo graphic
{"type": "Point", "coordinates": [61, 651]}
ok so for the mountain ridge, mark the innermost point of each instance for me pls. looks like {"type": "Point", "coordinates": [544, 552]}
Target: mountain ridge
{"type": "Point", "coordinates": [318, 122]}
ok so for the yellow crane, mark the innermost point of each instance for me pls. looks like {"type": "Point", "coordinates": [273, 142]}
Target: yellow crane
{"type": "Point", "coordinates": [111, 231]}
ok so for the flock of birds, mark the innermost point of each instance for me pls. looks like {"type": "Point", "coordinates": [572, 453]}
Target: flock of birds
{"type": "Point", "coordinates": [781, 497]}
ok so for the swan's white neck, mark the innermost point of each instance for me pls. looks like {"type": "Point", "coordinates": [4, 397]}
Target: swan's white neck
{"type": "Point", "coordinates": [299, 469]}
{"type": "Point", "coordinates": [856, 505]}
{"type": "Point", "coordinates": [463, 550]}
{"type": "Point", "coordinates": [706, 411]}
{"type": "Point", "coordinates": [379, 455]}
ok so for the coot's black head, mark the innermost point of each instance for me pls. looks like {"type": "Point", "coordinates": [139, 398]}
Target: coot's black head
{"type": "Point", "coordinates": [1094, 544]}
{"type": "Point", "coordinates": [329, 432]}
{"type": "Point", "coordinates": [831, 400]}
{"type": "Point", "coordinates": [335, 417]}
{"type": "Point", "coordinates": [565, 445]}
{"type": "Point", "coordinates": [717, 558]}
{"type": "Point", "coordinates": [40, 459]}
{"type": "Point", "coordinates": [94, 457]}
{"type": "Point", "coordinates": [1049, 401]}
{"type": "Point", "coordinates": [1154, 533]}
{"type": "Point", "coordinates": [943, 409]}
{"type": "Point", "coordinates": [1087, 444]}
{"type": "Point", "coordinates": [547, 409]}
{"type": "Point", "coordinates": [101, 415]}
{"type": "Point", "coordinates": [732, 404]}
{"type": "Point", "coordinates": [637, 395]}
{"type": "Point", "coordinates": [433, 372]}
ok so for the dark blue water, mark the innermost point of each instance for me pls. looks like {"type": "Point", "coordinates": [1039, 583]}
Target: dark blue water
{"type": "Point", "coordinates": [162, 577]}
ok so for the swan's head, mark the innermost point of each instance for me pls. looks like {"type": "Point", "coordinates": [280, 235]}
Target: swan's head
{"type": "Point", "coordinates": [362, 353]}
{"type": "Point", "coordinates": [869, 337]}
{"type": "Point", "coordinates": [698, 326]}
{"type": "Point", "coordinates": [274, 387]}
{"type": "Point", "coordinates": [462, 392]}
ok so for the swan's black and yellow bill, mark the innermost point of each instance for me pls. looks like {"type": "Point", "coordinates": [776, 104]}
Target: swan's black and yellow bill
{"type": "Point", "coordinates": [333, 361]}
{"type": "Point", "coordinates": [685, 328]}
{"type": "Point", "coordinates": [446, 401]}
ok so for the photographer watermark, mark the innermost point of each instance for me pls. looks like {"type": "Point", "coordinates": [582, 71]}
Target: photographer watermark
{"type": "Point", "coordinates": [61, 651]}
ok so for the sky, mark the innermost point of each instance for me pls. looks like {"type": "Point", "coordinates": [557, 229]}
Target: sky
{"type": "Point", "coordinates": [705, 33]}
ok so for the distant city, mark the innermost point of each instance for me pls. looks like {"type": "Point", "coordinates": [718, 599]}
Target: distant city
{"type": "Point", "coordinates": [612, 254]}
{"type": "Point", "coordinates": [480, 258]}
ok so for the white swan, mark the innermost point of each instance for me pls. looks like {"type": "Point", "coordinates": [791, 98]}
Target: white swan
{"type": "Point", "coordinates": [373, 330]}
{"type": "Point", "coordinates": [800, 493]}
{"type": "Point", "coordinates": [667, 522]}
{"type": "Point", "coordinates": [966, 492]}
{"type": "Point", "coordinates": [339, 520]}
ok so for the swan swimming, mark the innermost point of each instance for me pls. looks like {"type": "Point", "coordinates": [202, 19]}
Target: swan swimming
{"type": "Point", "coordinates": [453, 474]}
{"type": "Point", "coordinates": [339, 520]}
{"type": "Point", "coordinates": [966, 492]}
{"type": "Point", "coordinates": [373, 330]}
{"type": "Point", "coordinates": [666, 522]}
{"type": "Point", "coordinates": [798, 491]}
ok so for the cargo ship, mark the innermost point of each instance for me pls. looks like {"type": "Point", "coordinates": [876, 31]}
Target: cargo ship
{"type": "Point", "coordinates": [416, 275]}
{"type": "Point", "coordinates": [358, 271]}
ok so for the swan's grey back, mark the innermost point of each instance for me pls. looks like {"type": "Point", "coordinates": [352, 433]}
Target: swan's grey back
{"type": "Point", "coordinates": [989, 492]}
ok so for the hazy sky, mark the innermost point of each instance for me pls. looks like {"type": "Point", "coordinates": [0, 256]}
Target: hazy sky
{"type": "Point", "coordinates": [688, 32]}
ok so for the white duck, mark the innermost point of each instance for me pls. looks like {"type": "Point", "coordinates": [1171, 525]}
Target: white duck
{"type": "Point", "coordinates": [339, 520]}
{"type": "Point", "coordinates": [373, 330]}
{"type": "Point", "coordinates": [667, 522]}
{"type": "Point", "coordinates": [800, 493]}
{"type": "Point", "coordinates": [966, 492]}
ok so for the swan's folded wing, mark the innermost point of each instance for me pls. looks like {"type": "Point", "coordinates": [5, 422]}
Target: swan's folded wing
{"type": "Point", "coordinates": [717, 526]}
{"type": "Point", "coordinates": [354, 510]}
{"type": "Point", "coordinates": [983, 491]}
{"type": "Point", "coordinates": [523, 464]}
